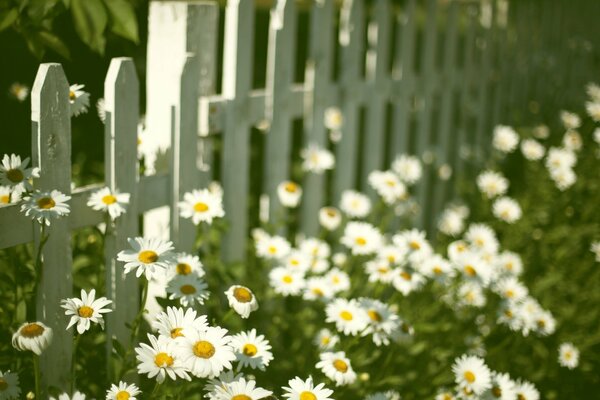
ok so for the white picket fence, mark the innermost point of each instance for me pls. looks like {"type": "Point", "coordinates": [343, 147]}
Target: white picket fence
{"type": "Point", "coordinates": [393, 95]}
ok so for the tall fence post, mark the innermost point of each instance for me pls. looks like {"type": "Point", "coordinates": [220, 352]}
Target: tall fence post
{"type": "Point", "coordinates": [51, 150]}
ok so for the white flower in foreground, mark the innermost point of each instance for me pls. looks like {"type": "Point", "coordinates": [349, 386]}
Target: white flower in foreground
{"type": "Point", "coordinates": [383, 323]}
{"type": "Point", "coordinates": [336, 366]}
{"type": "Point", "coordinates": [217, 384]}
{"type": "Point", "coordinates": [526, 391]}
{"type": "Point", "coordinates": [113, 203]}
{"type": "Point", "coordinates": [595, 248]}
{"type": "Point", "coordinates": [240, 389]}
{"type": "Point", "coordinates": [471, 373]}
{"type": "Point", "coordinates": [251, 350]}
{"type": "Point", "coordinates": [289, 193]}
{"type": "Point", "coordinates": [33, 336]}
{"type": "Point", "coordinates": [570, 120]}
{"type": "Point", "coordinates": [159, 359]}
{"type": "Point", "coordinates": [330, 218]}
{"type": "Point", "coordinates": [507, 209]}
{"type": "Point", "coordinates": [8, 195]}
{"type": "Point", "coordinates": [286, 282]}
{"type": "Point", "coordinates": [151, 257]}
{"type": "Point", "coordinates": [85, 310]}
{"type": "Point", "coordinates": [408, 168]}
{"type": "Point", "coordinates": [78, 99]}
{"type": "Point", "coordinates": [532, 149]}
{"type": "Point", "coordinates": [505, 139]}
{"type": "Point", "coordinates": [186, 264]}
{"type": "Point", "coordinates": [9, 385]}
{"type": "Point", "coordinates": [45, 206]}
{"type": "Point", "coordinates": [388, 186]}
{"type": "Point", "coordinates": [568, 355]}
{"type": "Point", "coordinates": [316, 159]}
{"type": "Point", "coordinates": [14, 173]}
{"type": "Point", "coordinates": [333, 118]}
{"type": "Point", "coordinates": [492, 184]}
{"type": "Point", "coordinates": [242, 300]}
{"type": "Point", "coordinates": [325, 339]}
{"type": "Point", "coordinates": [347, 315]}
{"type": "Point", "coordinates": [123, 391]}
{"type": "Point", "coordinates": [306, 390]}
{"type": "Point", "coordinates": [206, 353]}
{"type": "Point", "coordinates": [189, 289]}
{"type": "Point", "coordinates": [503, 388]}
{"type": "Point", "coordinates": [362, 238]}
{"type": "Point", "coordinates": [355, 204]}
{"type": "Point", "coordinates": [177, 322]}
{"type": "Point", "coordinates": [201, 206]}
{"type": "Point", "coordinates": [76, 396]}
{"type": "Point", "coordinates": [19, 91]}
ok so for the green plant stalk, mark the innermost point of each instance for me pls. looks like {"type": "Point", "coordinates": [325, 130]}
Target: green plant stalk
{"type": "Point", "coordinates": [73, 361]}
{"type": "Point", "coordinates": [36, 374]}
{"type": "Point", "coordinates": [39, 265]}
{"type": "Point", "coordinates": [135, 328]}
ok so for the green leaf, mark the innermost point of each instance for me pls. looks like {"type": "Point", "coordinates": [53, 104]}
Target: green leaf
{"type": "Point", "coordinates": [123, 21]}
{"type": "Point", "coordinates": [90, 19]}
{"type": "Point", "coordinates": [54, 42]}
{"type": "Point", "coordinates": [35, 45]}
{"type": "Point", "coordinates": [7, 18]}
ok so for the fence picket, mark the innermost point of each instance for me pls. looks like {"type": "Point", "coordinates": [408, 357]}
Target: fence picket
{"type": "Point", "coordinates": [51, 152]}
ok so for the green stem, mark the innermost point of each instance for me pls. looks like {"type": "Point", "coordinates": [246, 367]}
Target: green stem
{"type": "Point", "coordinates": [74, 361]}
{"type": "Point", "coordinates": [155, 390]}
{"type": "Point", "coordinates": [36, 374]}
{"type": "Point", "coordinates": [39, 265]}
{"type": "Point", "coordinates": [135, 328]}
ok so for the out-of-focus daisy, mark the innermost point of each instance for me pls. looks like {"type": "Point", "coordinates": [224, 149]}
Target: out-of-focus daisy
{"type": "Point", "coordinates": [85, 310]}
{"type": "Point", "coordinates": [541, 132]}
{"type": "Point", "coordinates": [206, 353]}
{"type": "Point", "coordinates": [379, 270]}
{"type": "Point", "coordinates": [347, 315]}
{"type": "Point", "coordinates": [316, 159]}
{"type": "Point", "coordinates": [19, 91]}
{"type": "Point", "coordinates": [482, 238]}
{"type": "Point", "coordinates": [394, 255]}
{"type": "Point", "coordinates": [532, 149]}
{"type": "Point", "coordinates": [251, 350]}
{"type": "Point", "coordinates": [503, 388]}
{"type": "Point", "coordinates": [189, 289]}
{"type": "Point", "coordinates": [306, 390]}
{"type": "Point", "coordinates": [9, 385]}
{"type": "Point", "coordinates": [315, 248]}
{"type": "Point", "coordinates": [597, 135]}
{"type": "Point", "coordinates": [336, 366]}
{"type": "Point", "coordinates": [289, 193]}
{"type": "Point", "coordinates": [217, 384]}
{"type": "Point", "coordinates": [564, 178]}
{"type": "Point", "coordinates": [333, 118]}
{"type": "Point", "coordinates": [560, 159]}
{"type": "Point", "coordinates": [123, 391]}
{"type": "Point", "coordinates": [33, 336]}
{"type": "Point", "coordinates": [65, 396]}
{"type": "Point", "coordinates": [383, 323]}
{"type": "Point", "coordinates": [388, 186]}
{"type": "Point", "coordinates": [507, 209]}
{"type": "Point", "coordinates": [78, 99]}
{"type": "Point", "coordinates": [339, 259]}
{"type": "Point", "coordinates": [325, 339]}
{"type": "Point", "coordinates": [445, 395]}
{"type": "Point", "coordinates": [338, 280]}
{"type": "Point", "coordinates": [272, 247]}
{"type": "Point", "coordinates": [286, 282]}
{"type": "Point", "coordinates": [318, 288]}
{"type": "Point", "coordinates": [159, 359]}
{"type": "Point", "coordinates": [568, 355]}
{"type": "Point", "coordinates": [408, 168]}
{"type": "Point", "coordinates": [362, 238]}
{"type": "Point", "coordinates": [101, 109]}
{"type": "Point", "coordinates": [570, 120]}
{"type": "Point", "coordinates": [413, 240]}
{"type": "Point", "coordinates": [389, 395]}
{"type": "Point", "coordinates": [505, 139]}
{"type": "Point", "coordinates": [593, 90]}
{"type": "Point", "coordinates": [355, 204]}
{"type": "Point", "coordinates": [242, 300]}
{"type": "Point", "coordinates": [186, 264]}
{"type": "Point", "coordinates": [201, 206]}
{"type": "Point", "coordinates": [492, 184]}
{"type": "Point", "coordinates": [45, 206]}
{"type": "Point", "coordinates": [298, 261]}
{"type": "Point", "coordinates": [407, 281]}
{"type": "Point", "coordinates": [595, 248]}
{"type": "Point", "coordinates": [330, 218]}
{"type": "Point", "coordinates": [436, 267]}
{"type": "Point", "coordinates": [526, 391]}
{"type": "Point", "coordinates": [471, 294]}
{"type": "Point", "coordinates": [509, 263]}
{"type": "Point", "coordinates": [113, 203]}
{"type": "Point", "coordinates": [151, 257]}
{"type": "Point", "coordinates": [572, 141]}
{"type": "Point", "coordinates": [8, 195]}
{"type": "Point", "coordinates": [510, 288]}
{"type": "Point", "coordinates": [474, 268]}
{"type": "Point", "coordinates": [472, 374]}
{"type": "Point", "coordinates": [451, 222]}
{"type": "Point", "coordinates": [457, 249]}
{"type": "Point", "coordinates": [177, 322]}
{"type": "Point", "coordinates": [241, 389]}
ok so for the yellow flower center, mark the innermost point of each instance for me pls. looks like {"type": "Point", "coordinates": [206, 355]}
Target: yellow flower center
{"type": "Point", "coordinates": [374, 315]}
{"type": "Point", "coordinates": [340, 365]}
{"type": "Point", "coordinates": [176, 332]}
{"type": "Point", "coordinates": [496, 391]}
{"type": "Point", "coordinates": [72, 95]}
{"type": "Point", "coordinates": [361, 241]}
{"type": "Point", "coordinates": [331, 213]}
{"type": "Point", "coordinates": [405, 275]}
{"type": "Point", "coordinates": [469, 270]}
{"type": "Point", "coordinates": [414, 245]}
{"type": "Point", "coordinates": [109, 199]}
{"type": "Point", "coordinates": [383, 270]}
{"type": "Point", "coordinates": [5, 199]}
{"type": "Point", "coordinates": [46, 203]}
{"type": "Point", "coordinates": [200, 207]}
{"type": "Point", "coordinates": [469, 376]}
{"type": "Point", "coordinates": [32, 330]}
{"type": "Point", "coordinates": [183, 269]}
{"type": "Point", "coordinates": [335, 279]}
{"type": "Point", "coordinates": [508, 313]}
{"type": "Point", "coordinates": [346, 315]}
{"type": "Point", "coordinates": [272, 249]}
{"type": "Point", "coordinates": [85, 311]}
{"type": "Point", "coordinates": [123, 395]}
{"type": "Point", "coordinates": [249, 350]}
{"type": "Point", "coordinates": [3, 385]}
{"type": "Point", "coordinates": [437, 270]}
{"type": "Point", "coordinates": [521, 397]}
{"type": "Point", "coordinates": [291, 187]}
{"type": "Point", "coordinates": [325, 340]}
{"type": "Point", "coordinates": [317, 291]}
{"type": "Point", "coordinates": [287, 279]}
{"type": "Point", "coordinates": [541, 323]}
{"type": "Point", "coordinates": [187, 289]}
{"type": "Point", "coordinates": [294, 262]}
{"type": "Point", "coordinates": [242, 295]}
{"type": "Point", "coordinates": [568, 355]}
{"type": "Point", "coordinates": [163, 360]}
{"type": "Point", "coordinates": [147, 256]}
{"type": "Point", "coordinates": [204, 349]}
{"type": "Point", "coordinates": [14, 175]}
{"type": "Point", "coordinates": [390, 183]}
{"type": "Point", "coordinates": [391, 259]}
{"type": "Point", "coordinates": [510, 294]}
{"type": "Point", "coordinates": [241, 397]}
{"type": "Point", "coordinates": [307, 396]}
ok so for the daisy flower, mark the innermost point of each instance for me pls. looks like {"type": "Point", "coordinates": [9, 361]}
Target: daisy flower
{"type": "Point", "coordinates": [482, 238]}
{"type": "Point", "coordinates": [286, 282]}
{"type": "Point", "coordinates": [33, 336]}
{"type": "Point", "coordinates": [532, 149]}
{"type": "Point", "coordinates": [505, 139]}
{"type": "Point", "coordinates": [492, 184]}
{"type": "Point", "coordinates": [242, 300]}
{"type": "Point", "coordinates": [388, 186]}
{"type": "Point", "coordinates": [408, 168]}
{"type": "Point", "coordinates": [338, 280]}
{"type": "Point", "coordinates": [101, 109]}
{"type": "Point", "coordinates": [595, 248]}
{"type": "Point", "coordinates": [379, 270]}
{"type": "Point", "coordinates": [159, 359]}
{"type": "Point", "coordinates": [471, 294]}
{"type": "Point", "coordinates": [333, 118]}
{"type": "Point", "coordinates": [406, 280]}
{"type": "Point", "coordinates": [383, 323]}
{"type": "Point", "coordinates": [296, 260]}
{"type": "Point", "coordinates": [474, 268]}
{"type": "Point", "coordinates": [78, 99]}
{"type": "Point", "coordinates": [201, 206]}
{"type": "Point", "coordinates": [472, 374]}
{"type": "Point", "coordinates": [355, 204]}
{"type": "Point", "coordinates": [325, 339]}
{"type": "Point", "coordinates": [186, 264]}
{"type": "Point", "coordinates": [315, 248]}
{"type": "Point", "coordinates": [503, 388]}
{"type": "Point", "coordinates": [392, 254]}
{"type": "Point", "coordinates": [272, 247]}
{"type": "Point", "coordinates": [189, 289]}
{"type": "Point", "coordinates": [113, 203]}
{"type": "Point", "coordinates": [362, 238]}
{"type": "Point", "coordinates": [85, 310]}
{"type": "Point", "coordinates": [316, 159]}
{"type": "Point", "coordinates": [526, 391]}
{"type": "Point", "coordinates": [560, 159]}
{"type": "Point", "coordinates": [76, 396]}
{"type": "Point", "coordinates": [337, 367]}
{"type": "Point", "coordinates": [451, 222]}
{"type": "Point", "coordinates": [147, 256]}
{"type": "Point", "coordinates": [14, 173]}
{"type": "Point", "coordinates": [507, 209]}
{"type": "Point", "coordinates": [570, 120]}
{"type": "Point", "coordinates": [318, 287]}
{"type": "Point", "coordinates": [306, 390]}
{"type": "Point", "coordinates": [206, 353]}
{"type": "Point", "coordinates": [436, 267]}
{"type": "Point", "coordinates": [330, 218]}
{"type": "Point", "coordinates": [412, 240]}
{"type": "Point", "coordinates": [564, 178]}
{"type": "Point", "coordinates": [339, 259]}
{"type": "Point", "coordinates": [8, 195]}
{"type": "Point", "coordinates": [19, 91]}
{"type": "Point", "coordinates": [251, 350]}
{"type": "Point", "coordinates": [9, 385]}
{"type": "Point", "coordinates": [593, 90]}
{"type": "Point", "coordinates": [572, 141]}
{"type": "Point", "coordinates": [541, 132]}
{"type": "Point", "coordinates": [123, 391]}
{"type": "Point", "coordinates": [347, 315]}
{"type": "Point", "coordinates": [568, 355]}
{"type": "Point", "coordinates": [509, 263]}
{"type": "Point", "coordinates": [289, 194]}
{"type": "Point", "coordinates": [177, 322]}
{"type": "Point", "coordinates": [240, 389]}
{"type": "Point", "coordinates": [510, 288]}
{"type": "Point", "coordinates": [215, 385]}
{"type": "Point", "coordinates": [44, 206]}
